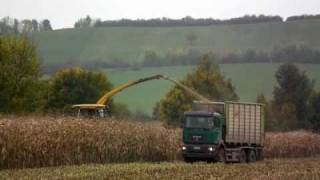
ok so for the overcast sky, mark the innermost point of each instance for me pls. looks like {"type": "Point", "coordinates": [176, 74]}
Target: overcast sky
{"type": "Point", "coordinates": [63, 13]}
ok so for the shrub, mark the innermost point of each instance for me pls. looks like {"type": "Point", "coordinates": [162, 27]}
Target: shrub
{"type": "Point", "coordinates": [75, 86]}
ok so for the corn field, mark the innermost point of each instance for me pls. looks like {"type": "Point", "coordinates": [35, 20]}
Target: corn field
{"type": "Point", "coordinates": [36, 142]}
{"type": "Point", "coordinates": [292, 144]}
{"type": "Point", "coordinates": [45, 141]}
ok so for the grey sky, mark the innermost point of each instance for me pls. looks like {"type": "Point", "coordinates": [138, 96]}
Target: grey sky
{"type": "Point", "coordinates": [63, 13]}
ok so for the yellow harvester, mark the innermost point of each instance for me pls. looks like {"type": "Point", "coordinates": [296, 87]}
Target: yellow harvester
{"type": "Point", "coordinates": [99, 109]}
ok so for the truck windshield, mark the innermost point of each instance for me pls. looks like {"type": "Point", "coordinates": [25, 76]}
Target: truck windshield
{"type": "Point", "coordinates": [199, 122]}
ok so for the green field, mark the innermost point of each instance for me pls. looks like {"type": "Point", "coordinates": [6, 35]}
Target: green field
{"type": "Point", "coordinates": [129, 43]}
{"type": "Point", "coordinates": [304, 168]}
{"type": "Point", "coordinates": [249, 80]}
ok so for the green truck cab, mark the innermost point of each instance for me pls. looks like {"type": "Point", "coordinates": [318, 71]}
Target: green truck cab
{"type": "Point", "coordinates": [225, 132]}
{"type": "Point", "coordinates": [202, 133]}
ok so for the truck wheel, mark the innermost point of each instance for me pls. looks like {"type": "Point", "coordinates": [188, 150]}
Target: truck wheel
{"type": "Point", "coordinates": [242, 156]}
{"type": "Point", "coordinates": [252, 156]}
{"type": "Point", "coordinates": [221, 155]}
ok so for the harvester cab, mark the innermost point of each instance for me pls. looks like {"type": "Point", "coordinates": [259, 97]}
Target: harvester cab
{"type": "Point", "coordinates": [91, 111]}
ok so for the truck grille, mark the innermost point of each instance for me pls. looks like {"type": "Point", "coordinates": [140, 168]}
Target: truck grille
{"type": "Point", "coordinates": [197, 138]}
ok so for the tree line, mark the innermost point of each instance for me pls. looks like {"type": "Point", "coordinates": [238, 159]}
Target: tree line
{"type": "Point", "coordinates": [303, 17]}
{"type": "Point", "coordinates": [168, 22]}
{"type": "Point", "coordinates": [187, 21]}
{"type": "Point", "coordinates": [294, 53]}
{"type": "Point", "coordinates": [10, 25]}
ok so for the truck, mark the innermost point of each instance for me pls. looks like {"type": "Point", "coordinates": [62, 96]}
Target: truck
{"type": "Point", "coordinates": [223, 132]}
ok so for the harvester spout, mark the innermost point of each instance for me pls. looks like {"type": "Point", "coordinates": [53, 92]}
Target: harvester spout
{"type": "Point", "coordinates": [105, 98]}
{"type": "Point", "coordinates": [103, 101]}
{"type": "Point", "coordinates": [187, 89]}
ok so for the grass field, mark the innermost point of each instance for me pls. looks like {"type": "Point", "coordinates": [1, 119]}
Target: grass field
{"type": "Point", "coordinates": [295, 169]}
{"type": "Point", "coordinates": [129, 43]}
{"type": "Point", "coordinates": [249, 80]}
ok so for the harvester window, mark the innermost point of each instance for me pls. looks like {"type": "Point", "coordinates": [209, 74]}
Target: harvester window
{"type": "Point", "coordinates": [101, 113]}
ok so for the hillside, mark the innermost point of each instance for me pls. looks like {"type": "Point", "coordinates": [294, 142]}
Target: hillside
{"type": "Point", "coordinates": [249, 80]}
{"type": "Point", "coordinates": [129, 43]}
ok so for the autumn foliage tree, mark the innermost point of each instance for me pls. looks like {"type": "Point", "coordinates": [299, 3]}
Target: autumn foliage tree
{"type": "Point", "coordinates": [207, 80]}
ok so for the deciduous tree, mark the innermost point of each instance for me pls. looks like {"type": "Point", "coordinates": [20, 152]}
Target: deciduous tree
{"type": "Point", "coordinates": [19, 75]}
{"type": "Point", "coordinates": [205, 79]}
{"type": "Point", "coordinates": [46, 25]}
{"type": "Point", "coordinates": [76, 86]}
{"type": "Point", "coordinates": [292, 94]}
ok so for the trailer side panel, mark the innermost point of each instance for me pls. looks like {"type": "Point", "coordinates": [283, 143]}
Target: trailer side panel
{"type": "Point", "coordinates": [244, 123]}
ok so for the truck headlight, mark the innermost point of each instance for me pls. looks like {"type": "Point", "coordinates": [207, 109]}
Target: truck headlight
{"type": "Point", "coordinates": [184, 148]}
{"type": "Point", "coordinates": [210, 149]}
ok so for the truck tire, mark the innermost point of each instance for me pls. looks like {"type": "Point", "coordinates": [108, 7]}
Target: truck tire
{"type": "Point", "coordinates": [252, 157]}
{"type": "Point", "coordinates": [242, 156]}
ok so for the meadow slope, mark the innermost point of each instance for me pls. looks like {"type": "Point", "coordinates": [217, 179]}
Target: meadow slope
{"type": "Point", "coordinates": [129, 43]}
{"type": "Point", "coordinates": [249, 80]}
